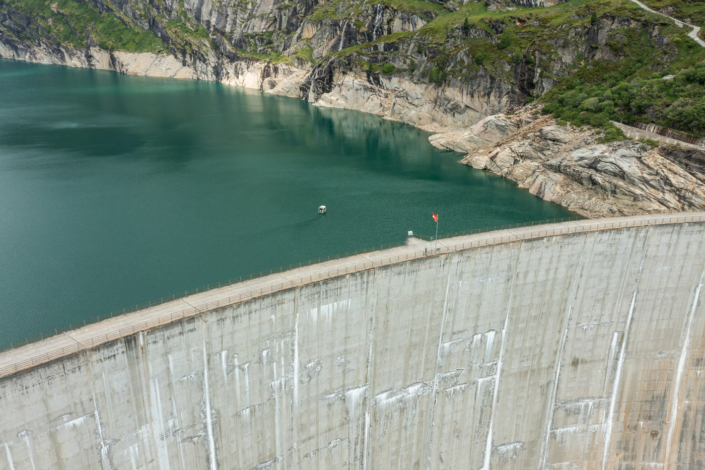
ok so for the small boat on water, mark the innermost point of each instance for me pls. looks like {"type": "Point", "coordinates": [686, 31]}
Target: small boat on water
{"type": "Point", "coordinates": [322, 210]}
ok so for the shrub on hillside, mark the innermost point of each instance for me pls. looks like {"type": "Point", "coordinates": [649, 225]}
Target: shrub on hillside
{"type": "Point", "coordinates": [436, 75]}
{"type": "Point", "coordinates": [678, 103]}
{"type": "Point", "coordinates": [507, 39]}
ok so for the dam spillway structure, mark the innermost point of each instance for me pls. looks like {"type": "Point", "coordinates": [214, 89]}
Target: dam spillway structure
{"type": "Point", "coordinates": [573, 345]}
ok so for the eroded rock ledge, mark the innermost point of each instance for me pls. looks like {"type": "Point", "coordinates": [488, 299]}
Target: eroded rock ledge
{"type": "Point", "coordinates": [569, 166]}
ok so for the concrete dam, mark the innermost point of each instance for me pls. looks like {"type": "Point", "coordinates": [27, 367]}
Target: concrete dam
{"type": "Point", "coordinates": [578, 345]}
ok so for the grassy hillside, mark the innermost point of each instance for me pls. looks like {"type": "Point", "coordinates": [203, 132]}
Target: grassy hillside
{"type": "Point", "coordinates": [690, 11]}
{"type": "Point", "coordinates": [72, 23]}
{"type": "Point", "coordinates": [78, 24]}
{"type": "Point", "coordinates": [664, 85]}
{"type": "Point", "coordinates": [617, 55]}
{"type": "Point", "coordinates": [673, 98]}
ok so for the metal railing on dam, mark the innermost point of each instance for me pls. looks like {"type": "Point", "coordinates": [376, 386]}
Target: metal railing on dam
{"type": "Point", "coordinates": [124, 322]}
{"type": "Point", "coordinates": [568, 345]}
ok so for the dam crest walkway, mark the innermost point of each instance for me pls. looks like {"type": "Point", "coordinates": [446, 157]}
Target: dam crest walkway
{"type": "Point", "coordinates": [52, 348]}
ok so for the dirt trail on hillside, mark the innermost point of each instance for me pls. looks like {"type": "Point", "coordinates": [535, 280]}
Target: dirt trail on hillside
{"type": "Point", "coordinates": [693, 34]}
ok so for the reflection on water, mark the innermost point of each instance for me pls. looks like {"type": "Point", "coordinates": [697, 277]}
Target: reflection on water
{"type": "Point", "coordinates": [115, 190]}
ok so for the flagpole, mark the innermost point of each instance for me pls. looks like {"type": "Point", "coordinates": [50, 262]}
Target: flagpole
{"type": "Point", "coordinates": [436, 246]}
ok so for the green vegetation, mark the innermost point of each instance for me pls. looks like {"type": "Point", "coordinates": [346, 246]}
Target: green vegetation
{"type": "Point", "coordinates": [305, 53]}
{"type": "Point", "coordinates": [436, 75]}
{"type": "Point", "coordinates": [650, 142]}
{"type": "Point", "coordinates": [275, 57]}
{"type": "Point", "coordinates": [480, 57]}
{"type": "Point", "coordinates": [686, 10]}
{"type": "Point", "coordinates": [344, 10]}
{"type": "Point", "coordinates": [519, 32]}
{"type": "Point", "coordinates": [624, 96]}
{"type": "Point", "coordinates": [390, 38]}
{"type": "Point", "coordinates": [524, 34]}
{"type": "Point", "coordinates": [72, 23]}
{"type": "Point", "coordinates": [507, 39]}
{"type": "Point", "coordinates": [183, 30]}
{"type": "Point", "coordinates": [423, 8]}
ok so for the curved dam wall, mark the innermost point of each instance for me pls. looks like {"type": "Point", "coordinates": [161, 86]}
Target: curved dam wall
{"type": "Point", "coordinates": [582, 350]}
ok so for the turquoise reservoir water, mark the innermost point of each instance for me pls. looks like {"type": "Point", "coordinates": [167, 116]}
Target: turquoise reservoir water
{"type": "Point", "coordinates": [116, 190]}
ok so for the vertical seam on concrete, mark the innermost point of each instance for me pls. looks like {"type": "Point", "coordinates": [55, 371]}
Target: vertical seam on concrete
{"type": "Point", "coordinates": [679, 373]}
{"type": "Point", "coordinates": [498, 375]}
{"type": "Point", "coordinates": [9, 457]}
{"type": "Point", "coordinates": [370, 353]}
{"type": "Point", "coordinates": [620, 363]}
{"type": "Point", "coordinates": [295, 414]}
{"type": "Point", "coordinates": [405, 379]}
{"type": "Point", "coordinates": [25, 435]}
{"type": "Point", "coordinates": [209, 420]}
{"type": "Point", "coordinates": [173, 408]}
{"type": "Point", "coordinates": [557, 370]}
{"type": "Point", "coordinates": [615, 388]}
{"type": "Point", "coordinates": [158, 431]}
{"type": "Point", "coordinates": [103, 448]}
{"type": "Point", "coordinates": [296, 364]}
{"type": "Point", "coordinates": [432, 415]}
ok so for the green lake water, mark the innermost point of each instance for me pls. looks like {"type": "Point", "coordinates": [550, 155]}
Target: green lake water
{"type": "Point", "coordinates": [116, 190]}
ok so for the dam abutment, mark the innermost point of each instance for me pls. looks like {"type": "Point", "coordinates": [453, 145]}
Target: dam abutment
{"type": "Point", "coordinates": [576, 345]}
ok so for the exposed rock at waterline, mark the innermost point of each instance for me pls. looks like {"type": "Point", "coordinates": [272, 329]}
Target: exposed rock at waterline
{"type": "Point", "coordinates": [433, 108]}
{"type": "Point", "coordinates": [569, 167]}
{"type": "Point", "coordinates": [489, 130]}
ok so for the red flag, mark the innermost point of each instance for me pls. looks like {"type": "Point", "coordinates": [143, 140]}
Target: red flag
{"type": "Point", "coordinates": [435, 217]}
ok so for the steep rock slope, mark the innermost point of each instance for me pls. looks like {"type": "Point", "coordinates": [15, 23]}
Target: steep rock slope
{"type": "Point", "coordinates": [573, 168]}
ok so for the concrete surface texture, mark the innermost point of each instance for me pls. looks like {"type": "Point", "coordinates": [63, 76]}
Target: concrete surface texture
{"type": "Point", "coordinates": [581, 350]}
{"type": "Point", "coordinates": [636, 133]}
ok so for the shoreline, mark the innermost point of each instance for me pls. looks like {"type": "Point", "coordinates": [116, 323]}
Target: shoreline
{"type": "Point", "coordinates": [348, 91]}
{"type": "Point", "coordinates": [641, 182]}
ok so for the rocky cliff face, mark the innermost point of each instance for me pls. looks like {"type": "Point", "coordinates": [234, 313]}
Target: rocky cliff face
{"type": "Point", "coordinates": [570, 167]}
{"type": "Point", "coordinates": [334, 83]}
